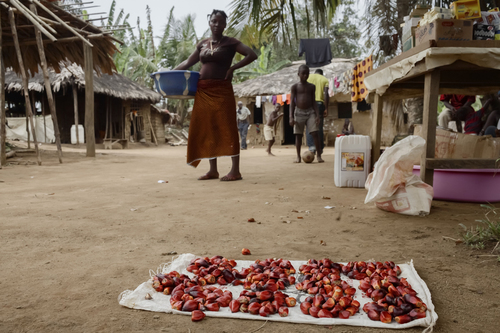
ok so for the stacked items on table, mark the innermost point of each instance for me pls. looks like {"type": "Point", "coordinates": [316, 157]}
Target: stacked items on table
{"type": "Point", "coordinates": [463, 21]}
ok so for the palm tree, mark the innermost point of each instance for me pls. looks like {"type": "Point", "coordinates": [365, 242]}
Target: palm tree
{"type": "Point", "coordinates": [279, 17]}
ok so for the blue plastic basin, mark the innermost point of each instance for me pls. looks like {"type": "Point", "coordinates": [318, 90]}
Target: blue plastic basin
{"type": "Point", "coordinates": [176, 84]}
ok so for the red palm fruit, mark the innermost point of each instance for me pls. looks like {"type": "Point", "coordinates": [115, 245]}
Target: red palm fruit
{"type": "Point", "coordinates": [275, 304]}
{"type": "Point", "coordinates": [328, 289]}
{"type": "Point", "coordinates": [298, 286]}
{"type": "Point", "coordinates": [271, 308]}
{"type": "Point", "coordinates": [167, 290]}
{"type": "Point", "coordinates": [383, 304]}
{"type": "Point", "coordinates": [211, 297]}
{"type": "Point", "coordinates": [313, 290]}
{"type": "Point", "coordinates": [403, 319]}
{"type": "Point", "coordinates": [329, 304]}
{"type": "Point", "coordinates": [344, 285]}
{"type": "Point", "coordinates": [190, 305]}
{"type": "Point", "coordinates": [232, 262]}
{"type": "Point", "coordinates": [228, 275]}
{"type": "Point", "coordinates": [324, 313]}
{"type": "Point", "coordinates": [406, 307]}
{"type": "Point", "coordinates": [423, 307]}
{"type": "Point", "coordinates": [272, 287]}
{"type": "Point", "coordinates": [413, 300]}
{"type": "Point", "coordinates": [374, 315]}
{"type": "Point", "coordinates": [307, 284]}
{"type": "Point", "coordinates": [264, 295]}
{"type": "Point", "coordinates": [391, 308]}
{"type": "Point", "coordinates": [243, 299]}
{"type": "Point", "coordinates": [186, 297]}
{"type": "Point", "coordinates": [336, 310]}
{"type": "Point", "coordinates": [304, 307]}
{"type": "Point", "coordinates": [417, 313]}
{"type": "Point", "coordinates": [245, 252]}
{"type": "Point", "coordinates": [216, 272]}
{"type": "Point", "coordinates": [221, 281]}
{"type": "Point", "coordinates": [397, 269]}
{"type": "Point", "coordinates": [237, 283]}
{"type": "Point", "coordinates": [344, 302]}
{"type": "Point", "coordinates": [280, 300]}
{"type": "Point", "coordinates": [265, 303]}
{"type": "Point", "coordinates": [337, 295]}
{"type": "Point", "coordinates": [318, 300]}
{"type": "Point", "coordinates": [350, 291]}
{"type": "Point", "coordinates": [197, 315]}
{"type": "Point", "coordinates": [369, 271]}
{"type": "Point", "coordinates": [234, 306]}
{"type": "Point", "coordinates": [364, 286]}
{"type": "Point", "coordinates": [385, 317]}
{"type": "Point", "coordinates": [397, 312]}
{"type": "Point", "coordinates": [360, 276]}
{"type": "Point", "coordinates": [177, 305]}
{"type": "Point", "coordinates": [247, 285]}
{"type": "Point", "coordinates": [377, 295]}
{"type": "Point", "coordinates": [264, 311]}
{"type": "Point", "coordinates": [291, 279]}
{"type": "Point", "coordinates": [212, 306]}
{"type": "Point", "coordinates": [244, 308]}
{"type": "Point", "coordinates": [394, 291]}
{"type": "Point", "coordinates": [290, 302]}
{"type": "Point", "coordinates": [352, 310]}
{"type": "Point", "coordinates": [283, 311]}
{"type": "Point", "coordinates": [158, 286]}
{"type": "Point", "coordinates": [344, 314]}
{"type": "Point", "coordinates": [369, 291]}
{"type": "Point", "coordinates": [254, 308]}
{"type": "Point", "coordinates": [258, 277]}
{"type": "Point", "coordinates": [281, 285]}
{"type": "Point", "coordinates": [202, 281]}
{"type": "Point", "coordinates": [313, 311]}
{"type": "Point", "coordinates": [376, 283]}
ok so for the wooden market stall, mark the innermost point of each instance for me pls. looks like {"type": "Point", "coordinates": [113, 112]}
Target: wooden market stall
{"type": "Point", "coordinates": [39, 34]}
{"type": "Point", "coordinates": [430, 69]}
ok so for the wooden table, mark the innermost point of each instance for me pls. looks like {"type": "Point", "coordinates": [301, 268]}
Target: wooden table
{"type": "Point", "coordinates": [460, 77]}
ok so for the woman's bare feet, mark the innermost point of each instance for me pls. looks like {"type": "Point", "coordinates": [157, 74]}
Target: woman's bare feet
{"type": "Point", "coordinates": [231, 177]}
{"type": "Point", "coordinates": [270, 154]}
{"type": "Point", "coordinates": [297, 160]}
{"type": "Point", "coordinates": [209, 175]}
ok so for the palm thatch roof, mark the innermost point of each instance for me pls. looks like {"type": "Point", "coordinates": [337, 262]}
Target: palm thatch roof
{"type": "Point", "coordinates": [115, 85]}
{"type": "Point", "coordinates": [280, 82]}
{"type": "Point", "coordinates": [60, 43]}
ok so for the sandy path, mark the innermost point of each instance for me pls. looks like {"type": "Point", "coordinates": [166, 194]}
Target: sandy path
{"type": "Point", "coordinates": [70, 242]}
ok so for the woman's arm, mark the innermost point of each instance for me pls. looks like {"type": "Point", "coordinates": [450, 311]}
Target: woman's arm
{"type": "Point", "coordinates": [250, 56]}
{"type": "Point", "coordinates": [193, 59]}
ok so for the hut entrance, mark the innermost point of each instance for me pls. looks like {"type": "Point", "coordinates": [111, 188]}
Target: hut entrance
{"type": "Point", "coordinates": [288, 137]}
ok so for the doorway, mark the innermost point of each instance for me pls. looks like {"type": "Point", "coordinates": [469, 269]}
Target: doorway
{"type": "Point", "coordinates": [288, 137]}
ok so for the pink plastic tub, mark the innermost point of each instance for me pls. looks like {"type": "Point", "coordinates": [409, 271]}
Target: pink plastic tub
{"type": "Point", "coordinates": [467, 185]}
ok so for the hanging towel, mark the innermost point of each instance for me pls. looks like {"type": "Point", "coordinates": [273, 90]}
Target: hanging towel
{"type": "Point", "coordinates": [264, 99]}
{"type": "Point", "coordinates": [258, 101]}
{"type": "Point", "coordinates": [274, 99]}
{"type": "Point", "coordinates": [289, 98]}
{"type": "Point", "coordinates": [279, 99]}
{"type": "Point", "coordinates": [283, 98]}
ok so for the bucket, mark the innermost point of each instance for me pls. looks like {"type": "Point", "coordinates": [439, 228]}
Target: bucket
{"type": "Point", "coordinates": [176, 84]}
{"type": "Point", "coordinates": [352, 160]}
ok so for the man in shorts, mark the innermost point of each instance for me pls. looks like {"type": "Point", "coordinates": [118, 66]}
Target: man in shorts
{"type": "Point", "coordinates": [304, 112]}
{"type": "Point", "coordinates": [270, 127]}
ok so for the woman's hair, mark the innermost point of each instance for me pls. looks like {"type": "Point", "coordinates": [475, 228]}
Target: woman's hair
{"type": "Point", "coordinates": [217, 11]}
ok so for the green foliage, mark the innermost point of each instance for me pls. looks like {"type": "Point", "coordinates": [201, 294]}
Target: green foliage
{"type": "Point", "coordinates": [489, 229]}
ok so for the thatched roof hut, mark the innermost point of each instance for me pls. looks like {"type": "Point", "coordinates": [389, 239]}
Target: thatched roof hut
{"type": "Point", "coordinates": [115, 85]}
{"type": "Point", "coordinates": [64, 44]}
{"type": "Point", "coordinates": [280, 82]}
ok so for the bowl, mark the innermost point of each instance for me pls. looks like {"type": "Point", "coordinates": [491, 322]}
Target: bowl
{"type": "Point", "coordinates": [176, 84]}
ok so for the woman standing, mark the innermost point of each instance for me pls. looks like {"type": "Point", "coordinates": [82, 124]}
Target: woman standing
{"type": "Point", "coordinates": [213, 131]}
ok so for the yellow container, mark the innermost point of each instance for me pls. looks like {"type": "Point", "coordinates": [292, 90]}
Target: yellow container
{"type": "Point", "coordinates": [466, 9]}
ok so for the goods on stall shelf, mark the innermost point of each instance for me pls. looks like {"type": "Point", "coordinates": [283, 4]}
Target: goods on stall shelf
{"type": "Point", "coordinates": [327, 295]}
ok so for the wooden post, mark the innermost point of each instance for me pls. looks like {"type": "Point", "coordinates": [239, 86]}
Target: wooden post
{"type": "Point", "coordinates": [89, 100]}
{"type": "Point", "coordinates": [3, 130]}
{"type": "Point", "coordinates": [376, 131]}
{"type": "Point", "coordinates": [25, 82]}
{"type": "Point", "coordinates": [48, 89]}
{"type": "Point", "coordinates": [44, 122]}
{"type": "Point", "coordinates": [152, 129]}
{"type": "Point", "coordinates": [429, 122]}
{"type": "Point", "coordinates": [27, 128]}
{"type": "Point", "coordinates": [75, 108]}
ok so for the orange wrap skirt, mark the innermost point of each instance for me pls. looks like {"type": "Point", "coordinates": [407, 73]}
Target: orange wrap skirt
{"type": "Point", "coordinates": [213, 131]}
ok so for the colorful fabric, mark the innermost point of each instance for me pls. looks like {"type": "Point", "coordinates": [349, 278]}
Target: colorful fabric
{"type": "Point", "coordinates": [320, 82]}
{"type": "Point", "coordinates": [212, 130]}
{"type": "Point", "coordinates": [473, 124]}
{"type": "Point", "coordinates": [457, 101]}
{"type": "Point", "coordinates": [274, 99]}
{"type": "Point", "coordinates": [279, 99]}
{"type": "Point", "coordinates": [359, 90]}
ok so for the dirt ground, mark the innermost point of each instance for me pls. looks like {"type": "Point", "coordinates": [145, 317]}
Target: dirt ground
{"type": "Point", "coordinates": [75, 235]}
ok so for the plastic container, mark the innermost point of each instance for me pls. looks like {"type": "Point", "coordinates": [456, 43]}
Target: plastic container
{"type": "Point", "coordinates": [176, 84]}
{"type": "Point", "coordinates": [465, 185]}
{"type": "Point", "coordinates": [352, 160]}
{"type": "Point", "coordinates": [81, 134]}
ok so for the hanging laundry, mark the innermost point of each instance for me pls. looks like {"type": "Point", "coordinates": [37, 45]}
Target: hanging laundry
{"type": "Point", "coordinates": [283, 98]}
{"type": "Point", "coordinates": [274, 99]}
{"type": "Point", "coordinates": [264, 99]}
{"type": "Point", "coordinates": [289, 98]}
{"type": "Point", "coordinates": [359, 90]}
{"type": "Point", "coordinates": [318, 51]}
{"type": "Point", "coordinates": [279, 99]}
{"type": "Point", "coordinates": [258, 101]}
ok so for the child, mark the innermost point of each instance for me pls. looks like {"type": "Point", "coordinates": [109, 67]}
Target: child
{"type": "Point", "coordinates": [472, 118]}
{"type": "Point", "coordinates": [304, 112]}
{"type": "Point", "coordinates": [269, 128]}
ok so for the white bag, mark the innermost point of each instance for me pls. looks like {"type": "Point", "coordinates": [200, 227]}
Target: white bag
{"type": "Point", "coordinates": [393, 187]}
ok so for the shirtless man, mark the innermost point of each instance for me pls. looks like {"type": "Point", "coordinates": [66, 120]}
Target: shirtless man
{"type": "Point", "coordinates": [270, 127]}
{"type": "Point", "coordinates": [304, 112]}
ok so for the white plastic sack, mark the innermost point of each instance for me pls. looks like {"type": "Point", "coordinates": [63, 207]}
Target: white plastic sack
{"type": "Point", "coordinates": [393, 187]}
